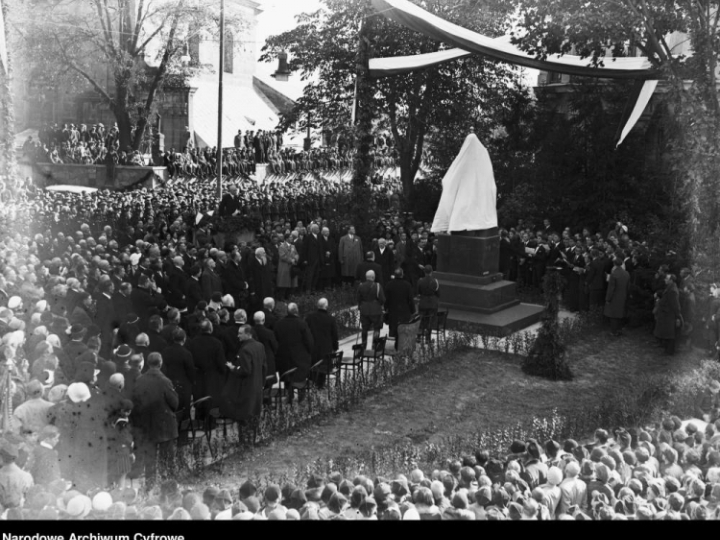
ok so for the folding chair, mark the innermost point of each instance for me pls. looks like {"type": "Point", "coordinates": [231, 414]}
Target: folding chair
{"type": "Point", "coordinates": [188, 427]}
{"type": "Point", "coordinates": [351, 364]}
{"type": "Point", "coordinates": [441, 324]}
{"type": "Point", "coordinates": [377, 353]}
{"type": "Point", "coordinates": [330, 367]}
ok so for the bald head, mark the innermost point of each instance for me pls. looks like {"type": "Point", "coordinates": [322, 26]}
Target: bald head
{"type": "Point", "coordinates": [322, 304]}
{"type": "Point", "coordinates": [293, 309]}
{"type": "Point", "coordinates": [117, 381]}
{"type": "Point", "coordinates": [269, 303]}
{"type": "Point", "coordinates": [259, 317]}
{"type": "Point", "coordinates": [370, 275]}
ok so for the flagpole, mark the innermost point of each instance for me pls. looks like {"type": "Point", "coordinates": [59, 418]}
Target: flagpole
{"type": "Point", "coordinates": [221, 69]}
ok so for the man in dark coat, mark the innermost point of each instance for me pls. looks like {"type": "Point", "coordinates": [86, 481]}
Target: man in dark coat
{"type": "Point", "coordinates": [194, 289]}
{"type": "Point", "coordinates": [371, 299]}
{"type": "Point", "coordinates": [369, 264]}
{"type": "Point", "coordinates": [230, 202]}
{"type": "Point", "coordinates": [243, 392]}
{"type": "Point", "coordinates": [210, 369]}
{"type": "Point", "coordinates": [295, 348]}
{"type": "Point", "coordinates": [269, 311]}
{"type": "Point", "coordinates": [596, 278]}
{"type": "Point", "coordinates": [429, 290]}
{"type": "Point", "coordinates": [122, 302]}
{"type": "Point", "coordinates": [267, 337]}
{"type": "Point", "coordinates": [105, 317]}
{"type": "Point", "coordinates": [210, 281]}
{"type": "Point", "coordinates": [385, 258]}
{"type": "Point", "coordinates": [72, 351]}
{"type": "Point", "coordinates": [155, 403]}
{"type": "Point", "coordinates": [259, 279]}
{"type": "Point", "coordinates": [177, 282]}
{"type": "Point", "coordinates": [617, 295]}
{"type": "Point", "coordinates": [667, 314]}
{"type": "Point", "coordinates": [157, 342]}
{"type": "Point", "coordinates": [233, 279]}
{"type": "Point", "coordinates": [144, 298]}
{"type": "Point", "coordinates": [324, 330]}
{"type": "Point", "coordinates": [399, 303]}
{"type": "Point", "coordinates": [179, 368]}
{"type": "Point", "coordinates": [312, 259]}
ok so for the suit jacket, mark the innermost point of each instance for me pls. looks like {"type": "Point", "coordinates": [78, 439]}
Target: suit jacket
{"type": "Point", "coordinates": [429, 290]}
{"type": "Point", "coordinates": [596, 275]}
{"type": "Point", "coordinates": [243, 392]}
{"type": "Point", "coordinates": [210, 369]}
{"type": "Point", "coordinates": [122, 305]}
{"type": "Point", "coordinates": [179, 368]}
{"type": "Point", "coordinates": [267, 337]}
{"type": "Point", "coordinates": [259, 278]}
{"type": "Point", "coordinates": [312, 251]}
{"type": "Point", "coordinates": [210, 283]}
{"type": "Point", "coordinates": [399, 301]}
{"type": "Point", "coordinates": [155, 402]}
{"type": "Point", "coordinates": [363, 268]}
{"type": "Point", "coordinates": [106, 320]}
{"type": "Point", "coordinates": [194, 294]}
{"type": "Point", "coordinates": [386, 260]}
{"type": "Point", "coordinates": [229, 204]}
{"type": "Point", "coordinates": [143, 300]}
{"type": "Point", "coordinates": [177, 283]}
{"type": "Point", "coordinates": [371, 298]}
{"type": "Point", "coordinates": [295, 345]}
{"type": "Point", "coordinates": [324, 330]}
{"type": "Point", "coordinates": [68, 362]}
{"type": "Point", "coordinates": [617, 293]}
{"type": "Point", "coordinates": [233, 279]}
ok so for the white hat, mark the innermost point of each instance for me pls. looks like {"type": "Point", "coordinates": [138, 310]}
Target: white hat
{"type": "Point", "coordinates": [102, 501]}
{"type": "Point", "coordinates": [79, 506]}
{"type": "Point", "coordinates": [14, 303]}
{"type": "Point", "coordinates": [134, 258]}
{"type": "Point", "coordinates": [41, 306]}
{"type": "Point", "coordinates": [554, 476]}
{"type": "Point", "coordinates": [78, 392]}
{"type": "Point", "coordinates": [225, 515]}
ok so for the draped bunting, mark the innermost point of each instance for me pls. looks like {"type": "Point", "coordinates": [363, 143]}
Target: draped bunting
{"type": "Point", "coordinates": [469, 42]}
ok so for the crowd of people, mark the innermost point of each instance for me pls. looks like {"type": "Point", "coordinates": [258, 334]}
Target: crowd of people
{"type": "Point", "coordinates": [668, 473]}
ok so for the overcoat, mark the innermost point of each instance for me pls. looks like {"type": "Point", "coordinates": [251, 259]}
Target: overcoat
{"type": "Point", "coordinates": [350, 254]}
{"type": "Point", "coordinates": [295, 347]}
{"type": "Point", "coordinates": [243, 392]}
{"type": "Point", "coordinates": [155, 403]}
{"type": "Point", "coordinates": [668, 310]}
{"type": "Point", "coordinates": [617, 293]}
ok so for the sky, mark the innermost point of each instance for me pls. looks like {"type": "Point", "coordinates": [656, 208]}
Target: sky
{"type": "Point", "coordinates": [279, 16]}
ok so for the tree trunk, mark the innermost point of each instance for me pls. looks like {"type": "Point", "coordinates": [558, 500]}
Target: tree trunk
{"type": "Point", "coordinates": [363, 161]}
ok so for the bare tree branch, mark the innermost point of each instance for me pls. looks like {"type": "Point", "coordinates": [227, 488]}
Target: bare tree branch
{"type": "Point", "coordinates": [72, 65]}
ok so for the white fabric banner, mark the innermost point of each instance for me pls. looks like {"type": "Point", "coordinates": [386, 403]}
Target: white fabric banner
{"type": "Point", "coordinates": [469, 192]}
{"type": "Point", "coordinates": [646, 93]}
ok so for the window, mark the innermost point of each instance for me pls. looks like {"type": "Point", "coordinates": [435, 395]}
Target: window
{"type": "Point", "coordinates": [229, 56]}
{"type": "Point", "coordinates": [555, 78]}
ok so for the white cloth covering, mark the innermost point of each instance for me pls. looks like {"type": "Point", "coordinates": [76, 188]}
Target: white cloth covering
{"type": "Point", "coordinates": [469, 193]}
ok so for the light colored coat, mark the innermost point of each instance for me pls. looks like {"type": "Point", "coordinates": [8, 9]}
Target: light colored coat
{"type": "Point", "coordinates": [350, 254]}
{"type": "Point", "coordinates": [288, 255]}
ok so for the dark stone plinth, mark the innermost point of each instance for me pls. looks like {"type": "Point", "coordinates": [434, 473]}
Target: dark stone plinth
{"type": "Point", "coordinates": [501, 323]}
{"type": "Point", "coordinates": [469, 255]}
{"type": "Point", "coordinates": [475, 294]}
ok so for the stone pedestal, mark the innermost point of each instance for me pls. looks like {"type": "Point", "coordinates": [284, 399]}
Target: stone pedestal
{"type": "Point", "coordinates": [473, 291]}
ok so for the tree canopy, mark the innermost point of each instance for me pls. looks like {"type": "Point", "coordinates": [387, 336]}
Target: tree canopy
{"type": "Point", "coordinates": [124, 50]}
{"type": "Point", "coordinates": [433, 106]}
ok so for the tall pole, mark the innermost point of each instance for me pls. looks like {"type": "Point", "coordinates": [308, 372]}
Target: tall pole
{"type": "Point", "coordinates": [221, 69]}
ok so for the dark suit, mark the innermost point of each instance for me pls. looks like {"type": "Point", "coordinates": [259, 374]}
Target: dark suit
{"type": "Point", "coordinates": [179, 368]}
{"type": "Point", "coordinates": [295, 345]}
{"type": "Point", "coordinates": [210, 369]}
{"type": "Point", "coordinates": [143, 301]}
{"type": "Point", "coordinates": [243, 392]}
{"type": "Point", "coordinates": [154, 414]}
{"type": "Point", "coordinates": [270, 319]}
{"type": "Point", "coordinates": [363, 268]}
{"type": "Point", "coordinates": [211, 283]}
{"type": "Point", "coordinates": [194, 293]}
{"type": "Point", "coordinates": [312, 258]}
{"type": "Point", "coordinates": [386, 260]}
{"type": "Point", "coordinates": [371, 299]}
{"type": "Point", "coordinates": [267, 337]}
{"type": "Point", "coordinates": [596, 281]}
{"type": "Point", "coordinates": [260, 283]}
{"type": "Point", "coordinates": [233, 279]}
{"type": "Point", "coordinates": [324, 330]}
{"type": "Point", "coordinates": [122, 305]}
{"type": "Point", "coordinates": [399, 303]}
{"type": "Point", "coordinates": [229, 204]}
{"type": "Point", "coordinates": [71, 352]}
{"type": "Point", "coordinates": [616, 297]}
{"type": "Point", "coordinates": [177, 286]}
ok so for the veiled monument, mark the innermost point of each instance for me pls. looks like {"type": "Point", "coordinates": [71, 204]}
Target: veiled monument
{"type": "Point", "coordinates": [471, 287]}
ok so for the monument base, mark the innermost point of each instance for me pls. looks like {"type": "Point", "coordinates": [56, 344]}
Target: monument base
{"type": "Point", "coordinates": [474, 292]}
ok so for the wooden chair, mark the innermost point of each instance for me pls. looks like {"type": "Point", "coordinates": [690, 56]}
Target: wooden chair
{"type": "Point", "coordinates": [284, 387]}
{"type": "Point", "coordinates": [407, 338]}
{"type": "Point", "coordinates": [377, 353]}
{"type": "Point", "coordinates": [352, 364]}
{"type": "Point", "coordinates": [188, 427]}
{"type": "Point", "coordinates": [441, 323]}
{"type": "Point", "coordinates": [330, 367]}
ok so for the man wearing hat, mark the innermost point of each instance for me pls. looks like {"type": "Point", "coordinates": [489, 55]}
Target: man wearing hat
{"type": "Point", "coordinates": [71, 351]}
{"type": "Point", "coordinates": [32, 414]}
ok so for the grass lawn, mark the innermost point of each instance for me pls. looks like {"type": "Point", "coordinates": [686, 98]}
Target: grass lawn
{"type": "Point", "coordinates": [475, 390]}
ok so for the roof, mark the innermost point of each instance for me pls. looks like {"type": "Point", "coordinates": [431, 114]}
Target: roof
{"type": "Point", "coordinates": [243, 109]}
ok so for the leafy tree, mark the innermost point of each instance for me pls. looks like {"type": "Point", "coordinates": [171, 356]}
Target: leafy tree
{"type": "Point", "coordinates": [104, 44]}
{"type": "Point", "coordinates": [562, 26]}
{"type": "Point", "coordinates": [435, 106]}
